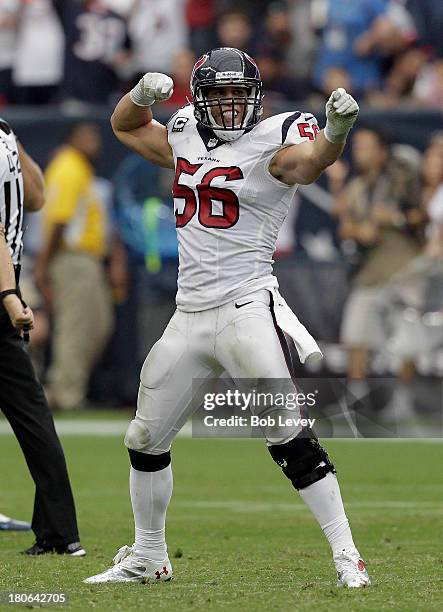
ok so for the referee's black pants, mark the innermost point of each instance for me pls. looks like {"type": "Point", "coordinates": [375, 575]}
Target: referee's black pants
{"type": "Point", "coordinates": [23, 403]}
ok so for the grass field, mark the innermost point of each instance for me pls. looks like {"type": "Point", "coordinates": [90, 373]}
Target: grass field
{"type": "Point", "coordinates": [239, 536]}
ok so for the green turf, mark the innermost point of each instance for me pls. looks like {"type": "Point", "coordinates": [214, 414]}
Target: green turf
{"type": "Point", "coordinates": [241, 537]}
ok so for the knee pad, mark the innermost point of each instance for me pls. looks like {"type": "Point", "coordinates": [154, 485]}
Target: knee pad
{"type": "Point", "coordinates": [137, 436]}
{"type": "Point", "coordinates": [149, 463]}
{"type": "Point", "coordinates": [300, 459]}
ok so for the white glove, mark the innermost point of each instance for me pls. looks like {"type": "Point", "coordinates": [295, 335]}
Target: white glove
{"type": "Point", "coordinates": [152, 87]}
{"type": "Point", "coordinates": [341, 114]}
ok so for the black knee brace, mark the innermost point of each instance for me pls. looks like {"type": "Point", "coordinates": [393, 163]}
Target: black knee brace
{"type": "Point", "coordinates": [149, 463]}
{"type": "Point", "coordinates": [300, 458]}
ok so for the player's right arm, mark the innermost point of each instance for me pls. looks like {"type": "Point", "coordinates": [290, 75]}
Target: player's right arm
{"type": "Point", "coordinates": [133, 123]}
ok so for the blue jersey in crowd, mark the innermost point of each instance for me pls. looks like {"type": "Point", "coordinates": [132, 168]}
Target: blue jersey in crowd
{"type": "Point", "coordinates": [94, 35]}
{"type": "Point", "coordinates": [346, 21]}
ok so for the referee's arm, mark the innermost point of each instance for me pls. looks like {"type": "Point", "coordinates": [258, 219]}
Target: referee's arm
{"type": "Point", "coordinates": [34, 185]}
{"type": "Point", "coordinates": [7, 274]}
{"type": "Point", "coordinates": [21, 316]}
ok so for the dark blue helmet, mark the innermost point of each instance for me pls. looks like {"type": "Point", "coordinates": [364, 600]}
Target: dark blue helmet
{"type": "Point", "coordinates": [222, 67]}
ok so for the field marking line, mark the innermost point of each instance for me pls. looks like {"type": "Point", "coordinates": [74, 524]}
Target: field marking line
{"type": "Point", "coordinates": [111, 427]}
{"type": "Point", "coordinates": [258, 506]}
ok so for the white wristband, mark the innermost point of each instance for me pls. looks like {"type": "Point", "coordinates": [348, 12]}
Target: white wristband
{"type": "Point", "coordinates": [139, 97]}
{"type": "Point", "coordinates": [336, 134]}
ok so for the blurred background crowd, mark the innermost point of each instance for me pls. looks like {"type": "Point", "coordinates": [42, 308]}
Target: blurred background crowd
{"type": "Point", "coordinates": [386, 52]}
{"type": "Point", "coordinates": [360, 257]}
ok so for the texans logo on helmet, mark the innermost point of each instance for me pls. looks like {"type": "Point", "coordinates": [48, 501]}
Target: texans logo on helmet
{"type": "Point", "coordinates": [249, 58]}
{"type": "Point", "coordinates": [198, 64]}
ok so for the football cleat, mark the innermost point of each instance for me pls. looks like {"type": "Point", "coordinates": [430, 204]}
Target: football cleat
{"type": "Point", "coordinates": [129, 567]}
{"type": "Point", "coordinates": [9, 524]}
{"type": "Point", "coordinates": [75, 549]}
{"type": "Point", "coordinates": [351, 569]}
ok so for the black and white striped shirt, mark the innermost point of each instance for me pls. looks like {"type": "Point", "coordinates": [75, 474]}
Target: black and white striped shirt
{"type": "Point", "coordinates": [11, 192]}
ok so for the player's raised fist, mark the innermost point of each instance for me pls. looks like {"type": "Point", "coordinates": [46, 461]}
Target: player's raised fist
{"type": "Point", "coordinates": [342, 103]}
{"type": "Point", "coordinates": [152, 87]}
{"type": "Point", "coordinates": [341, 114]}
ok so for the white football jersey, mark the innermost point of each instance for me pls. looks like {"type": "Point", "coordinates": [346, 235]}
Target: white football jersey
{"type": "Point", "coordinates": [228, 207]}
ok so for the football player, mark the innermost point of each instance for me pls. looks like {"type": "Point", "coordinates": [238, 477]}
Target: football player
{"type": "Point", "coordinates": [235, 179]}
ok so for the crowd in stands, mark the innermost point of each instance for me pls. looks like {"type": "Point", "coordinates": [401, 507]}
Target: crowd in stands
{"type": "Point", "coordinates": [386, 52]}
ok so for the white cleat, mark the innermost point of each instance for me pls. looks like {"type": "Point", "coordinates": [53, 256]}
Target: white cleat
{"type": "Point", "coordinates": [128, 567]}
{"type": "Point", "coordinates": [351, 569]}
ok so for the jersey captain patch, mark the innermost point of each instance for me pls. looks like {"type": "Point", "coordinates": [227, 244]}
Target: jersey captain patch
{"type": "Point", "coordinates": [179, 124]}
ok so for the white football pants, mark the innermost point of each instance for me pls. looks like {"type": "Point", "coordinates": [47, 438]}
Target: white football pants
{"type": "Point", "coordinates": [239, 337]}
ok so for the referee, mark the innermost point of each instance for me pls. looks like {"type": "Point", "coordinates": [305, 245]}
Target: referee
{"type": "Point", "coordinates": [22, 399]}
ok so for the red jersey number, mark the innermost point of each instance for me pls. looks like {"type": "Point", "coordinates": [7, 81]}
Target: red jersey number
{"type": "Point", "coordinates": [207, 195]}
{"type": "Point", "coordinates": [185, 192]}
{"type": "Point", "coordinates": [308, 130]}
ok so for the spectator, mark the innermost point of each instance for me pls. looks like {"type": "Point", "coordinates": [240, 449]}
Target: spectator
{"type": "Point", "coordinates": [400, 82]}
{"type": "Point", "coordinates": [158, 31]}
{"type": "Point", "coordinates": [38, 57]}
{"type": "Point", "coordinates": [300, 55]}
{"type": "Point", "coordinates": [349, 39]}
{"type": "Point", "coordinates": [429, 86]}
{"type": "Point", "coordinates": [182, 65]}
{"type": "Point", "coordinates": [277, 27]}
{"type": "Point", "coordinates": [436, 141]}
{"type": "Point", "coordinates": [316, 228]}
{"type": "Point", "coordinates": [415, 295]}
{"type": "Point", "coordinates": [432, 200]}
{"type": "Point", "coordinates": [97, 47]}
{"type": "Point", "coordinates": [9, 10]}
{"type": "Point", "coordinates": [428, 18]}
{"type": "Point", "coordinates": [200, 18]}
{"type": "Point", "coordinates": [257, 8]}
{"type": "Point", "coordinates": [39, 340]}
{"type": "Point", "coordinates": [70, 269]}
{"type": "Point", "coordinates": [146, 223]}
{"type": "Point", "coordinates": [278, 82]}
{"type": "Point", "coordinates": [335, 77]}
{"type": "Point", "coordinates": [392, 33]}
{"type": "Point", "coordinates": [380, 215]}
{"type": "Point", "coordinates": [234, 29]}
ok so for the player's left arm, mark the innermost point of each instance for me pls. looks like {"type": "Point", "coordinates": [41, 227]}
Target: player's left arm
{"type": "Point", "coordinates": [303, 163]}
{"type": "Point", "coordinates": [33, 181]}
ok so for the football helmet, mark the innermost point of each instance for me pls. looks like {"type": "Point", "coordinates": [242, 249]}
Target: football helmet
{"type": "Point", "coordinates": [220, 68]}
